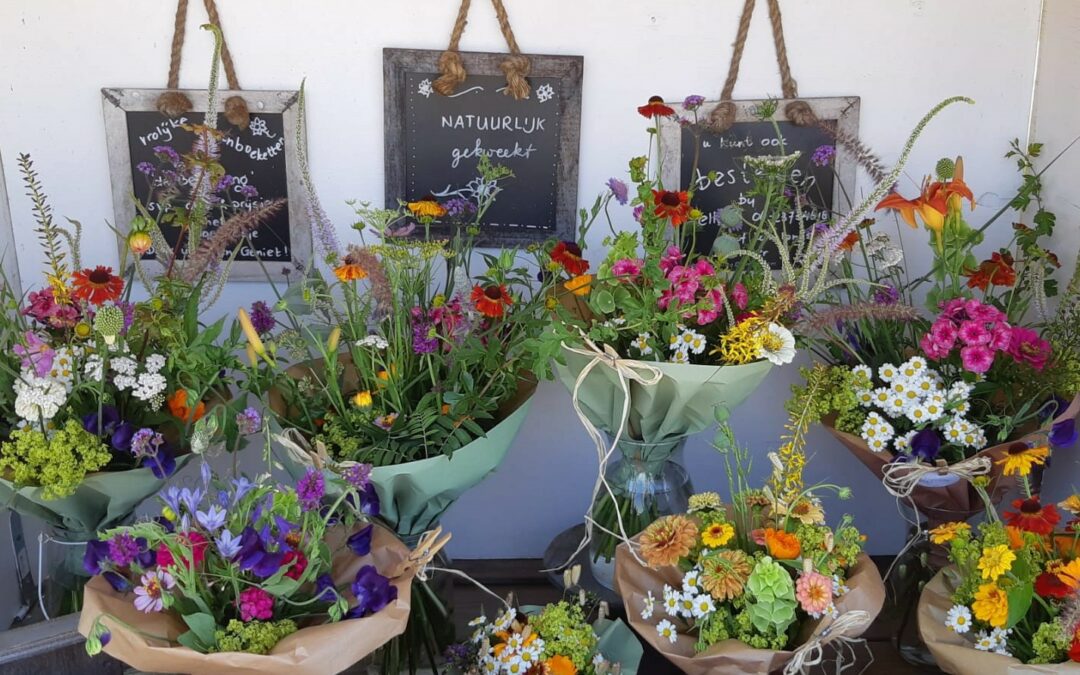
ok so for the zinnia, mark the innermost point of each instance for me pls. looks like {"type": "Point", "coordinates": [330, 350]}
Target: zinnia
{"type": "Point", "coordinates": [782, 545]}
{"type": "Point", "coordinates": [667, 540]}
{"type": "Point", "coordinates": [995, 561]}
{"type": "Point", "coordinates": [943, 534]}
{"type": "Point", "coordinates": [427, 208]}
{"type": "Point", "coordinates": [991, 605]}
{"type": "Point", "coordinates": [814, 592]}
{"type": "Point", "coordinates": [97, 285]}
{"type": "Point", "coordinates": [717, 534]}
{"type": "Point", "coordinates": [491, 300]}
{"type": "Point", "coordinates": [1025, 346]}
{"type": "Point", "coordinates": [724, 575]}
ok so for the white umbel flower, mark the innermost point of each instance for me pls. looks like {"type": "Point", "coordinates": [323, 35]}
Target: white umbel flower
{"type": "Point", "coordinates": [38, 398]}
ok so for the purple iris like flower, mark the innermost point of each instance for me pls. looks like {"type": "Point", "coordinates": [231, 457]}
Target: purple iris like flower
{"type": "Point", "coordinates": [619, 190]}
{"type": "Point", "coordinates": [117, 581]}
{"type": "Point", "coordinates": [252, 554]}
{"type": "Point", "coordinates": [162, 464]}
{"type": "Point", "coordinates": [310, 489]}
{"type": "Point", "coordinates": [123, 549]}
{"type": "Point", "coordinates": [1063, 434]}
{"type": "Point", "coordinates": [925, 445]}
{"type": "Point", "coordinates": [227, 544]}
{"type": "Point", "coordinates": [888, 295]}
{"type": "Point", "coordinates": [325, 588]}
{"type": "Point", "coordinates": [96, 552]}
{"type": "Point", "coordinates": [146, 558]}
{"type": "Point", "coordinates": [360, 541]}
{"type": "Point", "coordinates": [373, 591]}
{"type": "Point", "coordinates": [213, 519]}
{"type": "Point", "coordinates": [262, 317]}
{"type": "Point", "coordinates": [367, 502]}
{"type": "Point", "coordinates": [241, 486]}
{"type": "Point", "coordinates": [120, 440]}
{"type": "Point", "coordinates": [105, 423]}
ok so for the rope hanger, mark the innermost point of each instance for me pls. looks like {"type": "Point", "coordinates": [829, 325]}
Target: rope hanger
{"type": "Point", "coordinates": [516, 66]}
{"type": "Point", "coordinates": [723, 116]}
{"type": "Point", "coordinates": [174, 103]}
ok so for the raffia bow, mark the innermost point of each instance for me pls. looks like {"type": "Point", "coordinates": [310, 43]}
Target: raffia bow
{"type": "Point", "coordinates": [901, 478]}
{"type": "Point", "coordinates": [845, 629]}
{"type": "Point", "coordinates": [627, 370]}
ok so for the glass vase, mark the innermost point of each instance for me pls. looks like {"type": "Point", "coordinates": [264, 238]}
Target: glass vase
{"type": "Point", "coordinates": [647, 482]}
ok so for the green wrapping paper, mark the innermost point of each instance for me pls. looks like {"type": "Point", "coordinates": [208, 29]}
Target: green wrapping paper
{"type": "Point", "coordinates": [682, 403]}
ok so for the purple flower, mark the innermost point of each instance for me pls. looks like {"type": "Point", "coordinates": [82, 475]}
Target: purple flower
{"type": "Point", "coordinates": [823, 156]}
{"type": "Point", "coordinates": [325, 588]}
{"type": "Point", "coordinates": [123, 549]}
{"type": "Point", "coordinates": [146, 558]}
{"type": "Point", "coordinates": [224, 183]}
{"type": "Point", "coordinates": [121, 437]}
{"type": "Point", "coordinates": [249, 421]}
{"type": "Point", "coordinates": [693, 102]}
{"type": "Point", "coordinates": [262, 317]}
{"type": "Point", "coordinates": [887, 295]}
{"type": "Point", "coordinates": [241, 486]}
{"type": "Point", "coordinates": [638, 211]}
{"type": "Point", "coordinates": [424, 342]}
{"type": "Point", "coordinates": [162, 464]}
{"type": "Point", "coordinates": [926, 444]}
{"type": "Point", "coordinates": [102, 423]}
{"type": "Point", "coordinates": [148, 596]}
{"type": "Point", "coordinates": [1063, 434]}
{"type": "Point", "coordinates": [35, 354]}
{"type": "Point", "coordinates": [145, 168]}
{"type": "Point", "coordinates": [167, 154]}
{"type": "Point", "coordinates": [212, 519]}
{"type": "Point", "coordinates": [357, 475]}
{"type": "Point", "coordinates": [227, 544]}
{"type": "Point", "coordinates": [117, 581]}
{"type": "Point", "coordinates": [248, 191]}
{"type": "Point", "coordinates": [619, 190]}
{"type": "Point", "coordinates": [360, 541]}
{"type": "Point", "coordinates": [253, 556]}
{"type": "Point", "coordinates": [373, 591]}
{"type": "Point", "coordinates": [104, 637]}
{"type": "Point", "coordinates": [310, 489]}
{"type": "Point", "coordinates": [129, 316]}
{"type": "Point", "coordinates": [459, 207]}
{"type": "Point", "coordinates": [96, 552]}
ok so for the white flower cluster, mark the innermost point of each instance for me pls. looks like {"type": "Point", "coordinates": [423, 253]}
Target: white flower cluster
{"type": "Point", "coordinates": [915, 396]}
{"type": "Point", "coordinates": [376, 341]}
{"type": "Point", "coordinates": [146, 383]}
{"type": "Point", "coordinates": [37, 399]}
{"type": "Point", "coordinates": [880, 248]}
{"type": "Point", "coordinates": [688, 341]}
{"type": "Point", "coordinates": [63, 366]}
{"type": "Point", "coordinates": [689, 603]}
{"type": "Point", "coordinates": [519, 652]}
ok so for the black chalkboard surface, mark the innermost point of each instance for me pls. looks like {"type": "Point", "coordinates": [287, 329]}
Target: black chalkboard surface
{"type": "Point", "coordinates": [265, 156]}
{"type": "Point", "coordinates": [434, 142]}
{"type": "Point", "coordinates": [254, 156]}
{"type": "Point", "coordinates": [713, 163]}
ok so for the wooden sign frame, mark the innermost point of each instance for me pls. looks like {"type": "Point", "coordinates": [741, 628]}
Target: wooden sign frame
{"type": "Point", "coordinates": [843, 111]}
{"type": "Point", "coordinates": [397, 63]}
{"type": "Point", "coordinates": [9, 255]}
{"type": "Point", "coordinates": [117, 102]}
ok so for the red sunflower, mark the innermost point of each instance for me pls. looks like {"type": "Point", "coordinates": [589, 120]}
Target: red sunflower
{"type": "Point", "coordinates": [1031, 516]}
{"type": "Point", "coordinates": [492, 300]}
{"type": "Point", "coordinates": [673, 205]}
{"type": "Point", "coordinates": [97, 285]}
{"type": "Point", "coordinates": [568, 254]}
{"type": "Point", "coordinates": [656, 108]}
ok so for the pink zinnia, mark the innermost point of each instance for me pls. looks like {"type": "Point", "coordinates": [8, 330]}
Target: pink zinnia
{"type": "Point", "coordinates": [672, 257]}
{"type": "Point", "coordinates": [255, 603]}
{"type": "Point", "coordinates": [1026, 346]}
{"type": "Point", "coordinates": [973, 333]}
{"type": "Point", "coordinates": [627, 268]}
{"type": "Point", "coordinates": [148, 596]}
{"type": "Point", "coordinates": [977, 358]}
{"type": "Point", "coordinates": [739, 296]}
{"type": "Point", "coordinates": [814, 591]}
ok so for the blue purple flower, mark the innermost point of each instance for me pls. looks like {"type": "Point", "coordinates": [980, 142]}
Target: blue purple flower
{"type": "Point", "coordinates": [262, 317]}
{"type": "Point", "coordinates": [249, 421]}
{"type": "Point", "coordinates": [360, 541]}
{"type": "Point", "coordinates": [459, 207]}
{"type": "Point", "coordinates": [227, 544]}
{"type": "Point", "coordinates": [925, 445]}
{"type": "Point", "coordinates": [619, 190]}
{"type": "Point", "coordinates": [96, 552]}
{"type": "Point", "coordinates": [823, 156]}
{"type": "Point", "coordinates": [123, 549]}
{"type": "Point", "coordinates": [253, 557]}
{"type": "Point", "coordinates": [211, 519]}
{"type": "Point", "coordinates": [357, 475]}
{"type": "Point", "coordinates": [325, 588]}
{"type": "Point", "coordinates": [424, 342]}
{"type": "Point", "coordinates": [248, 191]}
{"type": "Point", "coordinates": [146, 443]}
{"type": "Point", "coordinates": [373, 592]}
{"type": "Point", "coordinates": [167, 154]}
{"type": "Point", "coordinates": [1063, 434]}
{"type": "Point", "coordinates": [693, 102]}
{"type": "Point", "coordinates": [310, 489]}
{"type": "Point", "coordinates": [145, 168]}
{"type": "Point", "coordinates": [886, 295]}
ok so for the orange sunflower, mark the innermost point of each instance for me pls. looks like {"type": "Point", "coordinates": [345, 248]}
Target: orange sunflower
{"type": "Point", "coordinates": [1032, 516]}
{"type": "Point", "coordinates": [656, 108]}
{"type": "Point", "coordinates": [491, 300]}
{"type": "Point", "coordinates": [672, 205]}
{"type": "Point", "coordinates": [97, 285]}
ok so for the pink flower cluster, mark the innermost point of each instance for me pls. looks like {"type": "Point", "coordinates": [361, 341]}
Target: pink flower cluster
{"type": "Point", "coordinates": [981, 331]}
{"type": "Point", "coordinates": [695, 285]}
{"type": "Point", "coordinates": [255, 603]}
{"type": "Point", "coordinates": [42, 305]}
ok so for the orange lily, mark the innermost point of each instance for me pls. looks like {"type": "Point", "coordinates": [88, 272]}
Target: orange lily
{"type": "Point", "coordinates": [934, 201]}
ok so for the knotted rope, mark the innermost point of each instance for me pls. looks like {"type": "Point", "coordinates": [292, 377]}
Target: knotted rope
{"type": "Point", "coordinates": [722, 116]}
{"type": "Point", "coordinates": [172, 102]}
{"type": "Point", "coordinates": [628, 370]}
{"type": "Point", "coordinates": [515, 67]}
{"type": "Point", "coordinates": [901, 478]}
{"type": "Point", "coordinates": [845, 629]}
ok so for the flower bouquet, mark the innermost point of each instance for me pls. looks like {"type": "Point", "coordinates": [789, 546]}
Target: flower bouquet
{"type": "Point", "coordinates": [249, 577]}
{"type": "Point", "coordinates": [104, 393]}
{"type": "Point", "coordinates": [1011, 595]}
{"type": "Point", "coordinates": [755, 584]}
{"type": "Point", "coordinates": [569, 637]}
{"type": "Point", "coordinates": [409, 361]}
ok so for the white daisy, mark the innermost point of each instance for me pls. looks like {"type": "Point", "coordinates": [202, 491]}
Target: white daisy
{"type": "Point", "coordinates": [913, 366]}
{"type": "Point", "coordinates": [515, 665]}
{"type": "Point", "coordinates": [671, 601]}
{"type": "Point", "coordinates": [686, 605]}
{"type": "Point", "coordinates": [887, 372]}
{"type": "Point", "coordinates": [779, 345]}
{"type": "Point", "coordinates": [690, 582]}
{"type": "Point", "coordinates": [679, 356]}
{"type": "Point", "coordinates": [649, 606]}
{"type": "Point", "coordinates": [877, 444]}
{"type": "Point", "coordinates": [863, 371]}
{"type": "Point", "coordinates": [882, 395]}
{"type": "Point", "coordinates": [703, 606]}
{"type": "Point", "coordinates": [641, 342]}
{"type": "Point", "coordinates": [1000, 636]}
{"type": "Point", "coordinates": [491, 665]}
{"type": "Point", "coordinates": [903, 443]}
{"type": "Point", "coordinates": [959, 619]}
{"type": "Point", "coordinates": [478, 621]}
{"type": "Point", "coordinates": [865, 397]}
{"type": "Point", "coordinates": [983, 642]}
{"type": "Point", "coordinates": [839, 587]}
{"type": "Point", "coordinates": [918, 414]}
{"type": "Point", "coordinates": [666, 629]}
{"type": "Point", "coordinates": [503, 621]}
{"type": "Point", "coordinates": [531, 654]}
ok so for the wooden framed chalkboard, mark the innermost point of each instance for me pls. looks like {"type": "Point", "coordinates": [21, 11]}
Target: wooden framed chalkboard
{"type": "Point", "coordinates": [263, 156]}
{"type": "Point", "coordinates": [826, 188]}
{"type": "Point", "coordinates": [433, 142]}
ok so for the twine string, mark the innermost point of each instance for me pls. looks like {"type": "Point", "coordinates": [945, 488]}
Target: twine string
{"type": "Point", "coordinates": [843, 630]}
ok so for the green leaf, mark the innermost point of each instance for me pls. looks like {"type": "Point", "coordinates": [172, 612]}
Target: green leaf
{"type": "Point", "coordinates": [203, 626]}
{"type": "Point", "coordinates": [605, 301]}
{"type": "Point", "coordinates": [192, 642]}
{"type": "Point", "coordinates": [1020, 597]}
{"type": "Point", "coordinates": [282, 587]}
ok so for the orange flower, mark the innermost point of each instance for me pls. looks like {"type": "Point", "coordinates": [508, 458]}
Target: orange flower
{"type": "Point", "coordinates": [782, 545]}
{"type": "Point", "coordinates": [492, 300]}
{"type": "Point", "coordinates": [997, 271]}
{"type": "Point", "coordinates": [933, 202]}
{"type": "Point", "coordinates": [668, 539]}
{"type": "Point", "coordinates": [178, 407]}
{"type": "Point", "coordinates": [560, 665]}
{"type": "Point", "coordinates": [349, 271]}
{"type": "Point", "coordinates": [1031, 516]}
{"type": "Point", "coordinates": [568, 254]}
{"type": "Point", "coordinates": [97, 285]}
{"type": "Point", "coordinates": [580, 285]}
{"type": "Point", "coordinates": [655, 108]}
{"type": "Point", "coordinates": [672, 205]}
{"type": "Point", "coordinates": [849, 241]}
{"type": "Point", "coordinates": [427, 208]}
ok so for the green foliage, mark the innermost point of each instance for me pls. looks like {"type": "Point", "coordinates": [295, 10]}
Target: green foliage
{"type": "Point", "coordinates": [563, 627]}
{"type": "Point", "coordinates": [1050, 643]}
{"type": "Point", "coordinates": [57, 463]}
{"type": "Point", "coordinates": [826, 391]}
{"type": "Point", "coordinates": [253, 637]}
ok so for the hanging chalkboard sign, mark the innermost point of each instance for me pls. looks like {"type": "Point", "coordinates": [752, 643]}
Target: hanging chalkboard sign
{"type": "Point", "coordinates": [713, 163]}
{"type": "Point", "coordinates": [433, 142]}
{"type": "Point", "coordinates": [261, 160]}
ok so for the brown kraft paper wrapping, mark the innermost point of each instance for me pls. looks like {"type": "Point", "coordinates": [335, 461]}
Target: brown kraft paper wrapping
{"type": "Point", "coordinates": [955, 653]}
{"type": "Point", "coordinates": [958, 501]}
{"type": "Point", "coordinates": [634, 581]}
{"type": "Point", "coordinates": [314, 650]}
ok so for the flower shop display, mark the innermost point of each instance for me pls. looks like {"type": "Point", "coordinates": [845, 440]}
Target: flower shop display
{"type": "Point", "coordinates": [569, 637]}
{"type": "Point", "coordinates": [1010, 596]}
{"type": "Point", "coordinates": [242, 576]}
{"type": "Point", "coordinates": [988, 365]}
{"type": "Point", "coordinates": [754, 584]}
{"type": "Point", "coordinates": [413, 357]}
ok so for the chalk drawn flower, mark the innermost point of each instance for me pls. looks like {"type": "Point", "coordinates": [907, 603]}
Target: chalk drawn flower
{"type": "Point", "coordinates": [425, 89]}
{"type": "Point", "coordinates": [545, 93]}
{"type": "Point", "coordinates": [258, 127]}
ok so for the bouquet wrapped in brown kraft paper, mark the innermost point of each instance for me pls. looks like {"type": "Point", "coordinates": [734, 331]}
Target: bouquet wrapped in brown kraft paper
{"type": "Point", "coordinates": [243, 577]}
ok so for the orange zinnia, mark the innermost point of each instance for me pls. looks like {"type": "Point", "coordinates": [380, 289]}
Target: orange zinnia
{"type": "Point", "coordinates": [655, 108]}
{"type": "Point", "coordinates": [933, 202]}
{"type": "Point", "coordinates": [492, 300]}
{"type": "Point", "coordinates": [178, 407]}
{"type": "Point", "coordinates": [97, 285]}
{"type": "Point", "coordinates": [782, 545]}
{"type": "Point", "coordinates": [672, 205]}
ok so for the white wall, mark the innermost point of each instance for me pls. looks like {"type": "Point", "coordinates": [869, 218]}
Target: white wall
{"type": "Point", "coordinates": [900, 56]}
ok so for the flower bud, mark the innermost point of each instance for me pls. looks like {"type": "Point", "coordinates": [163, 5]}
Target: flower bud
{"type": "Point", "coordinates": [139, 242]}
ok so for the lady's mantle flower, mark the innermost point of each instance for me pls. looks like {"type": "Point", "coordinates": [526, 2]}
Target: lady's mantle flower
{"type": "Point", "coordinates": [148, 596]}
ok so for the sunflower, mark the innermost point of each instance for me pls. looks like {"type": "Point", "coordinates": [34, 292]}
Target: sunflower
{"type": "Point", "coordinates": [672, 205]}
{"type": "Point", "coordinates": [1031, 516]}
{"type": "Point", "coordinates": [655, 108]}
{"type": "Point", "coordinates": [491, 300]}
{"type": "Point", "coordinates": [717, 534]}
{"type": "Point", "coordinates": [350, 270]}
{"type": "Point", "coordinates": [667, 540]}
{"type": "Point", "coordinates": [568, 254]}
{"type": "Point", "coordinates": [782, 545]}
{"type": "Point", "coordinates": [1020, 459]}
{"type": "Point", "coordinates": [724, 575]}
{"type": "Point", "coordinates": [943, 534]}
{"type": "Point", "coordinates": [579, 285]}
{"type": "Point", "coordinates": [427, 209]}
{"type": "Point", "coordinates": [97, 285]}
